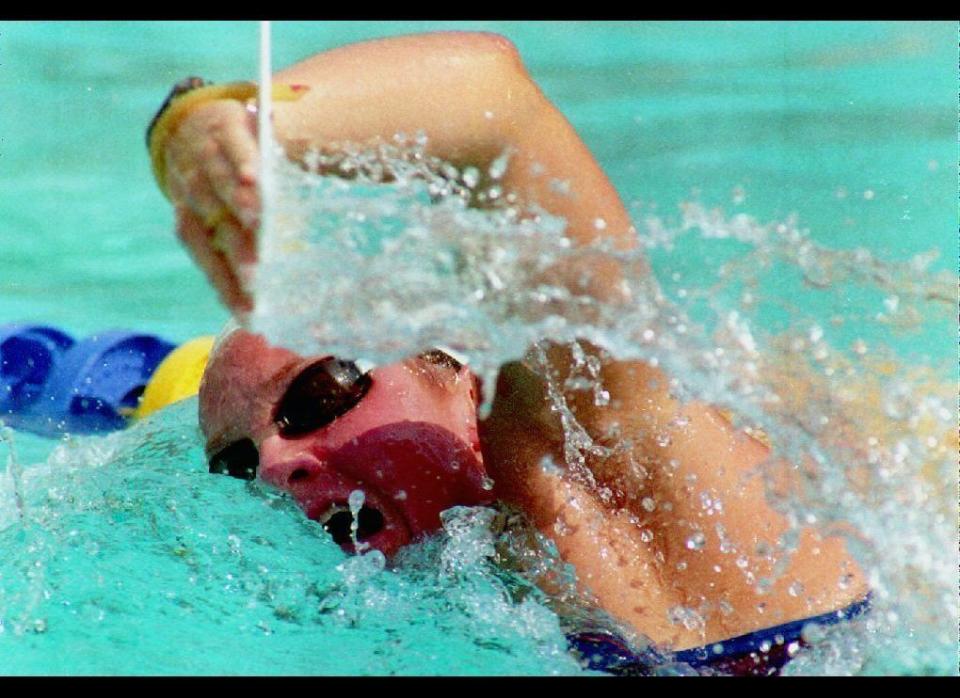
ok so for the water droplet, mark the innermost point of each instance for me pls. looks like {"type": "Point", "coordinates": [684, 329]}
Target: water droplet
{"type": "Point", "coordinates": [648, 504]}
{"type": "Point", "coordinates": [355, 501]}
{"type": "Point", "coordinates": [869, 194]}
{"type": "Point", "coordinates": [498, 167]}
{"type": "Point", "coordinates": [376, 560]}
{"type": "Point", "coordinates": [696, 541]}
{"type": "Point", "coordinates": [688, 617]}
{"type": "Point", "coordinates": [487, 484]}
{"type": "Point", "coordinates": [471, 177]}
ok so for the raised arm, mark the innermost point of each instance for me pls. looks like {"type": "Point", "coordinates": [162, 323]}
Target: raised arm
{"type": "Point", "coordinates": [469, 93]}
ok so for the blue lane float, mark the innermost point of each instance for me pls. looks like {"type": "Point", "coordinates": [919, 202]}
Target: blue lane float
{"type": "Point", "coordinates": [28, 354]}
{"type": "Point", "coordinates": [51, 384]}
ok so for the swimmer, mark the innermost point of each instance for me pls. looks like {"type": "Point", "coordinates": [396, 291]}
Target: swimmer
{"type": "Point", "coordinates": [643, 544]}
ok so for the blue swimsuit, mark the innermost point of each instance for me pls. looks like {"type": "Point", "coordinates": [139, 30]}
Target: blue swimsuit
{"type": "Point", "coordinates": [760, 653]}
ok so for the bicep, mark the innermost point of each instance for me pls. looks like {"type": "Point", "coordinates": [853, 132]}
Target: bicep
{"type": "Point", "coordinates": [466, 92]}
{"type": "Point", "coordinates": [472, 97]}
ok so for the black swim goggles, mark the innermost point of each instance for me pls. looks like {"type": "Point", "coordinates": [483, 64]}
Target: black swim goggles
{"type": "Point", "coordinates": [318, 395]}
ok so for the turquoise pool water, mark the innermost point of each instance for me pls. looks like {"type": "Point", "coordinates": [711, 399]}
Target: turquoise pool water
{"type": "Point", "coordinates": [849, 127]}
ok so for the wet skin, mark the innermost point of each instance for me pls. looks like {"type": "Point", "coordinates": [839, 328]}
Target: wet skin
{"type": "Point", "coordinates": [410, 444]}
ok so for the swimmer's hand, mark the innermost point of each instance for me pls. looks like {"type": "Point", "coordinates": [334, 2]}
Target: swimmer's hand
{"type": "Point", "coordinates": [212, 163]}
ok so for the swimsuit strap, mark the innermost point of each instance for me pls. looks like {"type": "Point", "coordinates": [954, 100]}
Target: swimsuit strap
{"type": "Point", "coordinates": [762, 641]}
{"type": "Point", "coordinates": [761, 652]}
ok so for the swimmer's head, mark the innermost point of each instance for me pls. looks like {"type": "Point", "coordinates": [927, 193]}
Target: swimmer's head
{"type": "Point", "coordinates": [320, 428]}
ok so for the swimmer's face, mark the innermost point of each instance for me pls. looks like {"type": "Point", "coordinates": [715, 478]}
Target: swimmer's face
{"type": "Point", "coordinates": [317, 427]}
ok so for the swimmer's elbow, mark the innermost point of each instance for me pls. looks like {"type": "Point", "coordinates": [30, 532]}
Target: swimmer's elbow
{"type": "Point", "coordinates": [498, 63]}
{"type": "Point", "coordinates": [496, 53]}
{"type": "Point", "coordinates": [499, 46]}
{"type": "Point", "coordinates": [472, 42]}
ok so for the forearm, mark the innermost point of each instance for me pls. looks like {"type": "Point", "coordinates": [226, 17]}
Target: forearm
{"type": "Point", "coordinates": [468, 93]}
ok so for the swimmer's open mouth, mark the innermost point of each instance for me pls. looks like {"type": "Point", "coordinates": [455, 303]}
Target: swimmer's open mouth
{"type": "Point", "coordinates": [338, 522]}
{"type": "Point", "coordinates": [379, 524]}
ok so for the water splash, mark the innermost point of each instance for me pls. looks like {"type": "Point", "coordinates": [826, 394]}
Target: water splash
{"type": "Point", "coordinates": [268, 147]}
{"type": "Point", "coordinates": [130, 542]}
{"type": "Point", "coordinates": [821, 352]}
{"type": "Point", "coordinates": [830, 355]}
{"type": "Point", "coordinates": [860, 391]}
{"type": "Point", "coordinates": [393, 261]}
{"type": "Point", "coordinates": [355, 502]}
{"type": "Point", "coordinates": [13, 472]}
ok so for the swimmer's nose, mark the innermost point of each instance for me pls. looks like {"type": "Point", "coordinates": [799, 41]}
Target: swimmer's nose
{"type": "Point", "coordinates": [284, 463]}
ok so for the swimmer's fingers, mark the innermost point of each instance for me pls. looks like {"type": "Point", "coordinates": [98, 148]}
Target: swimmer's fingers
{"type": "Point", "coordinates": [231, 163]}
{"type": "Point", "coordinates": [198, 238]}
{"type": "Point", "coordinates": [190, 188]}
{"type": "Point", "coordinates": [238, 245]}
{"type": "Point", "coordinates": [212, 163]}
{"type": "Point", "coordinates": [241, 189]}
